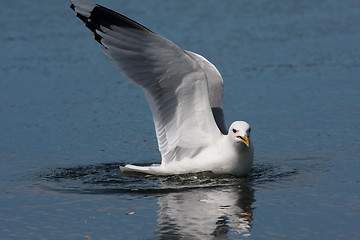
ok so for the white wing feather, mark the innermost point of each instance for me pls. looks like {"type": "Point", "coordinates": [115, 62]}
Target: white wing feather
{"type": "Point", "coordinates": [175, 82]}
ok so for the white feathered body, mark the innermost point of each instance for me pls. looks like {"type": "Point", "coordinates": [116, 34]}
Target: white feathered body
{"type": "Point", "coordinates": [223, 157]}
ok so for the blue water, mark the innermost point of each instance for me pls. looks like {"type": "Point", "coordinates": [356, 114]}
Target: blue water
{"type": "Point", "coordinates": [68, 119]}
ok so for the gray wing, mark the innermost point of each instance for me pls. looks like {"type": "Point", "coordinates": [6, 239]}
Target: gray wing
{"type": "Point", "coordinates": [215, 89]}
{"type": "Point", "coordinates": [174, 83]}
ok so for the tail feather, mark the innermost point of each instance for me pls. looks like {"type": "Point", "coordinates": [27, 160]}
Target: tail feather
{"type": "Point", "coordinates": [154, 169]}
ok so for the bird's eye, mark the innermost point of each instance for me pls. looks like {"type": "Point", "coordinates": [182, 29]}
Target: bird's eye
{"type": "Point", "coordinates": [234, 130]}
{"type": "Point", "coordinates": [249, 129]}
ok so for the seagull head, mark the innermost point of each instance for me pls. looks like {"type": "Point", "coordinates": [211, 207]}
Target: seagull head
{"type": "Point", "coordinates": [239, 131]}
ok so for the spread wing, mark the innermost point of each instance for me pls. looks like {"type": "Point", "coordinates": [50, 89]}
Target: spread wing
{"type": "Point", "coordinates": [174, 80]}
{"type": "Point", "coordinates": [215, 89]}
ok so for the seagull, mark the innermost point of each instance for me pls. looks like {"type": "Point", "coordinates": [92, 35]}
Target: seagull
{"type": "Point", "coordinates": [185, 94]}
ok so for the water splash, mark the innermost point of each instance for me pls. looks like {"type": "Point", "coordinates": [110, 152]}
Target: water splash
{"type": "Point", "coordinates": [106, 178]}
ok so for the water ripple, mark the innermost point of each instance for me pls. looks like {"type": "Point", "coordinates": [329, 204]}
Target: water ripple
{"type": "Point", "coordinates": [106, 178]}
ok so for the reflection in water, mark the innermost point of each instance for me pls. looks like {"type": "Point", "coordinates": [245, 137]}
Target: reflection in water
{"type": "Point", "coordinates": [201, 213]}
{"type": "Point", "coordinates": [191, 206]}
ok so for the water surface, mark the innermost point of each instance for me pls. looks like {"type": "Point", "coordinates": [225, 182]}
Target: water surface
{"type": "Point", "coordinates": [68, 119]}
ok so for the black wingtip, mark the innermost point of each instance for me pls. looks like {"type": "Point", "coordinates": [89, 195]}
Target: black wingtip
{"type": "Point", "coordinates": [101, 16]}
{"type": "Point", "coordinates": [98, 38]}
{"type": "Point", "coordinates": [82, 18]}
{"type": "Point", "coordinates": [107, 17]}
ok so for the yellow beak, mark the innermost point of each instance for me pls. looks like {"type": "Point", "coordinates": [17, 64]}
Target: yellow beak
{"type": "Point", "coordinates": [244, 139]}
